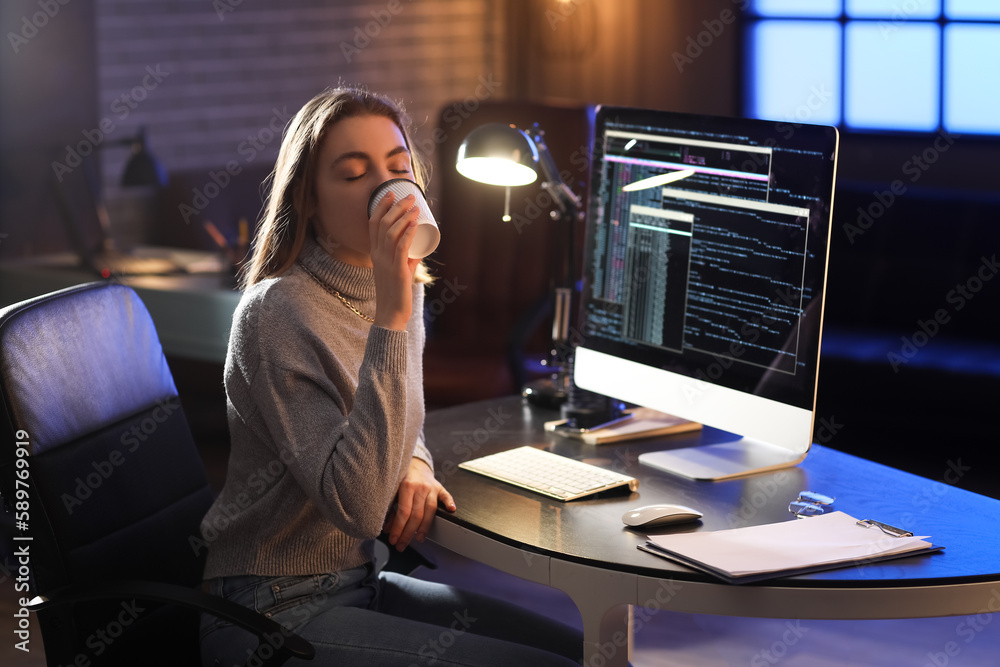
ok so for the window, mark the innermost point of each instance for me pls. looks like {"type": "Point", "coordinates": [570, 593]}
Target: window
{"type": "Point", "coordinates": [875, 65]}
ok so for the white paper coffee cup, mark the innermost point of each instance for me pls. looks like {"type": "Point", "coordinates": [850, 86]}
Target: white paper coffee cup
{"type": "Point", "coordinates": [428, 236]}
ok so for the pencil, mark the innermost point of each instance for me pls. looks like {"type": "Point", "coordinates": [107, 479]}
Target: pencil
{"type": "Point", "coordinates": [216, 235]}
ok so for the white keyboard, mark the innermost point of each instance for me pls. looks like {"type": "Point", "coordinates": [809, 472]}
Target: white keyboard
{"type": "Point", "coordinates": [549, 474]}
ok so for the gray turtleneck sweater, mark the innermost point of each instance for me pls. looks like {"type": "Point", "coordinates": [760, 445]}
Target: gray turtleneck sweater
{"type": "Point", "coordinates": [325, 413]}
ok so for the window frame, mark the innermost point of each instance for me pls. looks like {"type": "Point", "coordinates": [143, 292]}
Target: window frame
{"type": "Point", "coordinates": [752, 17]}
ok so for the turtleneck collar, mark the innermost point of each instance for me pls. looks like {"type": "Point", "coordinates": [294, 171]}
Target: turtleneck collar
{"type": "Point", "coordinates": [355, 282]}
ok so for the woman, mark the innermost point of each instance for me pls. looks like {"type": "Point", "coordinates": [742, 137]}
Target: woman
{"type": "Point", "coordinates": [325, 405]}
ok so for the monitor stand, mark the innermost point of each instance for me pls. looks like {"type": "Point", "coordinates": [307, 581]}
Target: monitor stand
{"type": "Point", "coordinates": [723, 460]}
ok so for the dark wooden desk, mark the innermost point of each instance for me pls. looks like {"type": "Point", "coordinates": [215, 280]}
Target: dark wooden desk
{"type": "Point", "coordinates": [193, 313]}
{"type": "Point", "coordinates": [584, 549]}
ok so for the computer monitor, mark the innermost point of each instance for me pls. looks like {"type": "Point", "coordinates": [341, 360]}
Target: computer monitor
{"type": "Point", "coordinates": [703, 298]}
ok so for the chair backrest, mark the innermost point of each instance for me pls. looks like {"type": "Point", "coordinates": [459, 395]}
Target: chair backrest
{"type": "Point", "coordinates": [116, 486]}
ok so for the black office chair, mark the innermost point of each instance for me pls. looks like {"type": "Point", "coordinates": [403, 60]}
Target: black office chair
{"type": "Point", "coordinates": [108, 490]}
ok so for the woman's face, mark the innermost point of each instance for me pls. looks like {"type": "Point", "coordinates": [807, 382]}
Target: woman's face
{"type": "Point", "coordinates": [358, 154]}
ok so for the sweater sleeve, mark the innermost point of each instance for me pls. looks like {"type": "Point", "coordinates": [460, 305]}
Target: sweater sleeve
{"type": "Point", "coordinates": [421, 452]}
{"type": "Point", "coordinates": [416, 351]}
{"type": "Point", "coordinates": [345, 452]}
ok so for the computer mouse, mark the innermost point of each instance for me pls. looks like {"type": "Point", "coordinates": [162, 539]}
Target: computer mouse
{"type": "Point", "coordinates": [652, 516]}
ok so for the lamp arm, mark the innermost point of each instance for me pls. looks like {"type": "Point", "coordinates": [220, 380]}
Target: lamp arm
{"type": "Point", "coordinates": [567, 200]}
{"type": "Point", "coordinates": [570, 208]}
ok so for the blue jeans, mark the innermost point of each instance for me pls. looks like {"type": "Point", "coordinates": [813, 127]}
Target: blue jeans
{"type": "Point", "coordinates": [356, 617]}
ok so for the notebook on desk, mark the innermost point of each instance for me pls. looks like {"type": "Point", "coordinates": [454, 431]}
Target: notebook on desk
{"type": "Point", "coordinates": [640, 423]}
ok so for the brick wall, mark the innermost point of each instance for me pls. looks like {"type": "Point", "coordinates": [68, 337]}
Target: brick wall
{"type": "Point", "coordinates": [211, 79]}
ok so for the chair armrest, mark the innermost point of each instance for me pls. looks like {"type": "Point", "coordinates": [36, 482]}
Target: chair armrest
{"type": "Point", "coordinates": [291, 645]}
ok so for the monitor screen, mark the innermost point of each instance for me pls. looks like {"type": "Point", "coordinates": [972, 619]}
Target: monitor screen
{"type": "Point", "coordinates": [703, 297]}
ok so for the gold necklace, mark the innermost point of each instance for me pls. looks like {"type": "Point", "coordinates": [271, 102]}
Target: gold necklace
{"type": "Point", "coordinates": [336, 294]}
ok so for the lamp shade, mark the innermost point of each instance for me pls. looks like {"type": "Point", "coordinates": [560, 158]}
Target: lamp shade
{"type": "Point", "coordinates": [498, 154]}
{"type": "Point", "coordinates": [142, 169]}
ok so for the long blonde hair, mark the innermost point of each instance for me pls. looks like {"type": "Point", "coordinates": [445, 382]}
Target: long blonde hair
{"type": "Point", "coordinates": [291, 200]}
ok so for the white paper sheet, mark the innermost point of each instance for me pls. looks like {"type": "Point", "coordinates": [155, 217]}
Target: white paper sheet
{"type": "Point", "coordinates": [790, 546]}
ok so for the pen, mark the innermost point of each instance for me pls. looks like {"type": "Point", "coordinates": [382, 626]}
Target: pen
{"type": "Point", "coordinates": [216, 235]}
{"type": "Point", "coordinates": [885, 528]}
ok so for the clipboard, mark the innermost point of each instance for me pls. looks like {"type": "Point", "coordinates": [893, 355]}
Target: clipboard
{"type": "Point", "coordinates": [799, 546]}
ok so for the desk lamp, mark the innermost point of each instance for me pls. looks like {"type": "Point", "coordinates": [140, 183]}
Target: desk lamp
{"type": "Point", "coordinates": [142, 169]}
{"type": "Point", "coordinates": [84, 196]}
{"type": "Point", "coordinates": [503, 155]}
{"type": "Point", "coordinates": [499, 154]}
